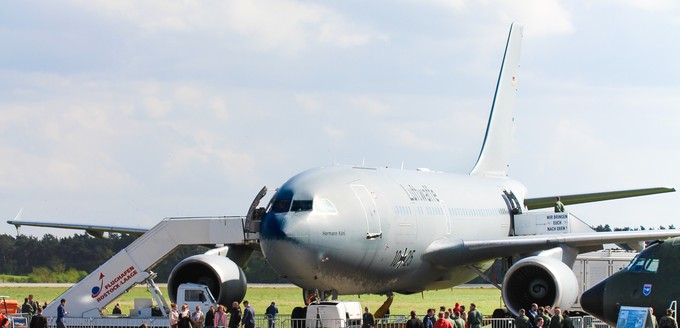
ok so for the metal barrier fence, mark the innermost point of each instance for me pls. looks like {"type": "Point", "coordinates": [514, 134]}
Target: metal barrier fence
{"type": "Point", "coordinates": [285, 321]}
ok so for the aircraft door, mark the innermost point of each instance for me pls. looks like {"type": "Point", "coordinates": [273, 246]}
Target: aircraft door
{"type": "Point", "coordinates": [373, 228]}
{"type": "Point", "coordinates": [514, 207]}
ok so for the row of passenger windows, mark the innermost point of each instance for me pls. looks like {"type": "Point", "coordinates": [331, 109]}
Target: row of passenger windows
{"type": "Point", "coordinates": [408, 210]}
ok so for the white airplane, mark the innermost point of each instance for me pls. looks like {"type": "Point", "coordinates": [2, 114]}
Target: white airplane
{"type": "Point", "coordinates": [357, 230]}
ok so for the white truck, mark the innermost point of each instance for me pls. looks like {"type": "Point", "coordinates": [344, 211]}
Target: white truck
{"type": "Point", "coordinates": [334, 314]}
{"type": "Point", "coordinates": [593, 267]}
{"type": "Point", "coordinates": [188, 293]}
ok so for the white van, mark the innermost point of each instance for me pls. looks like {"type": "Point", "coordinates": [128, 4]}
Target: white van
{"type": "Point", "coordinates": [334, 314]}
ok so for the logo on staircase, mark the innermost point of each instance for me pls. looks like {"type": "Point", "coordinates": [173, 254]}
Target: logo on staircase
{"type": "Point", "coordinates": [96, 290]}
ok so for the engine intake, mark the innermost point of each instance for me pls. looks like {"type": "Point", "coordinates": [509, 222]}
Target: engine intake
{"type": "Point", "coordinates": [541, 280]}
{"type": "Point", "coordinates": [224, 278]}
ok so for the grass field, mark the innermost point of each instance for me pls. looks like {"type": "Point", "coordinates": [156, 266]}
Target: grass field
{"type": "Point", "coordinates": [286, 298]}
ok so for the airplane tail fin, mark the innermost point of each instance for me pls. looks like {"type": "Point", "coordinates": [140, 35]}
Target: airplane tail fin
{"type": "Point", "coordinates": [494, 157]}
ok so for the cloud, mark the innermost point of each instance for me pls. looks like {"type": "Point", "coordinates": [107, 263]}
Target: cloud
{"type": "Point", "coordinates": [287, 26]}
{"type": "Point", "coordinates": [54, 146]}
{"type": "Point", "coordinates": [650, 5]}
{"type": "Point", "coordinates": [308, 102]}
{"type": "Point", "coordinates": [371, 105]}
{"type": "Point", "coordinates": [545, 17]}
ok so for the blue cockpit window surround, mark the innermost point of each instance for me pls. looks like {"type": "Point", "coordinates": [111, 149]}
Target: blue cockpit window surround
{"type": "Point", "coordinates": [281, 201]}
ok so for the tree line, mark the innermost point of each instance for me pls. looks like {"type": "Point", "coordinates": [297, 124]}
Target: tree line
{"type": "Point", "coordinates": [69, 259]}
{"type": "Point", "coordinates": [606, 227]}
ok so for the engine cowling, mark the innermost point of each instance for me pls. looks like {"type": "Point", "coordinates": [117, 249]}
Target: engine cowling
{"type": "Point", "coordinates": [541, 280]}
{"type": "Point", "coordinates": [224, 278]}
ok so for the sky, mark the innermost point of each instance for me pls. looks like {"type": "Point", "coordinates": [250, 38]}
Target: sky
{"type": "Point", "coordinates": [125, 112]}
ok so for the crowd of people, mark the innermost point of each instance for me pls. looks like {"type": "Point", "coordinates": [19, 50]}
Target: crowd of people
{"type": "Point", "coordinates": [456, 317]}
{"type": "Point", "coordinates": [220, 317]}
{"type": "Point", "coordinates": [33, 311]}
{"type": "Point", "coordinates": [235, 317]}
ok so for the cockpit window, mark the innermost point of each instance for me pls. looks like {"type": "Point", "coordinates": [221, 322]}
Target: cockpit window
{"type": "Point", "coordinates": [644, 264]}
{"type": "Point", "coordinates": [281, 201]}
{"type": "Point", "coordinates": [301, 205]}
{"type": "Point", "coordinates": [324, 206]}
{"type": "Point", "coordinates": [281, 205]}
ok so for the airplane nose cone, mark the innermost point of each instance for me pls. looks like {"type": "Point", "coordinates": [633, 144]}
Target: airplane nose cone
{"type": "Point", "coordinates": [592, 300]}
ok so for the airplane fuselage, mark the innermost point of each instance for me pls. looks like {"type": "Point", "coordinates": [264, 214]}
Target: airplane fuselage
{"type": "Point", "coordinates": [363, 230]}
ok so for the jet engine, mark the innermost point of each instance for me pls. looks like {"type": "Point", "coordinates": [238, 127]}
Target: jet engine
{"type": "Point", "coordinates": [224, 278]}
{"type": "Point", "coordinates": [541, 280]}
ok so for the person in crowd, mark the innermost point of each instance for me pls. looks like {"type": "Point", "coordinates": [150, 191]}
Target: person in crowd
{"type": "Point", "coordinates": [546, 318]}
{"type": "Point", "coordinates": [522, 321]}
{"type": "Point", "coordinates": [26, 307]}
{"type": "Point", "coordinates": [34, 304]}
{"type": "Point", "coordinates": [463, 314]}
{"type": "Point", "coordinates": [533, 314]}
{"type": "Point", "coordinates": [557, 320]}
{"type": "Point", "coordinates": [428, 320]}
{"type": "Point", "coordinates": [548, 311]}
{"type": "Point", "coordinates": [458, 322]}
{"type": "Point", "coordinates": [442, 322]}
{"type": "Point", "coordinates": [414, 322]}
{"type": "Point", "coordinates": [210, 317]}
{"type": "Point", "coordinates": [221, 317]}
{"type": "Point", "coordinates": [61, 313]}
{"type": "Point", "coordinates": [116, 310]}
{"type": "Point", "coordinates": [474, 317]}
{"type": "Point", "coordinates": [449, 317]}
{"type": "Point", "coordinates": [271, 312]}
{"type": "Point", "coordinates": [197, 318]}
{"type": "Point", "coordinates": [184, 317]}
{"type": "Point", "coordinates": [654, 323]}
{"type": "Point", "coordinates": [4, 320]}
{"type": "Point", "coordinates": [539, 322]}
{"type": "Point", "coordinates": [38, 321]}
{"type": "Point", "coordinates": [173, 316]}
{"type": "Point", "coordinates": [235, 315]}
{"type": "Point", "coordinates": [568, 323]}
{"type": "Point", "coordinates": [668, 321]}
{"type": "Point", "coordinates": [367, 319]}
{"type": "Point", "coordinates": [248, 319]}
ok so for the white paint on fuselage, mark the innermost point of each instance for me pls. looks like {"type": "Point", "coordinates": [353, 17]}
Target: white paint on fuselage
{"type": "Point", "coordinates": [330, 250]}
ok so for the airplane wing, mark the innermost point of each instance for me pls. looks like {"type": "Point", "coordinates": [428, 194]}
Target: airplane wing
{"type": "Point", "coordinates": [447, 254]}
{"type": "Point", "coordinates": [93, 230]}
{"type": "Point", "coordinates": [546, 202]}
